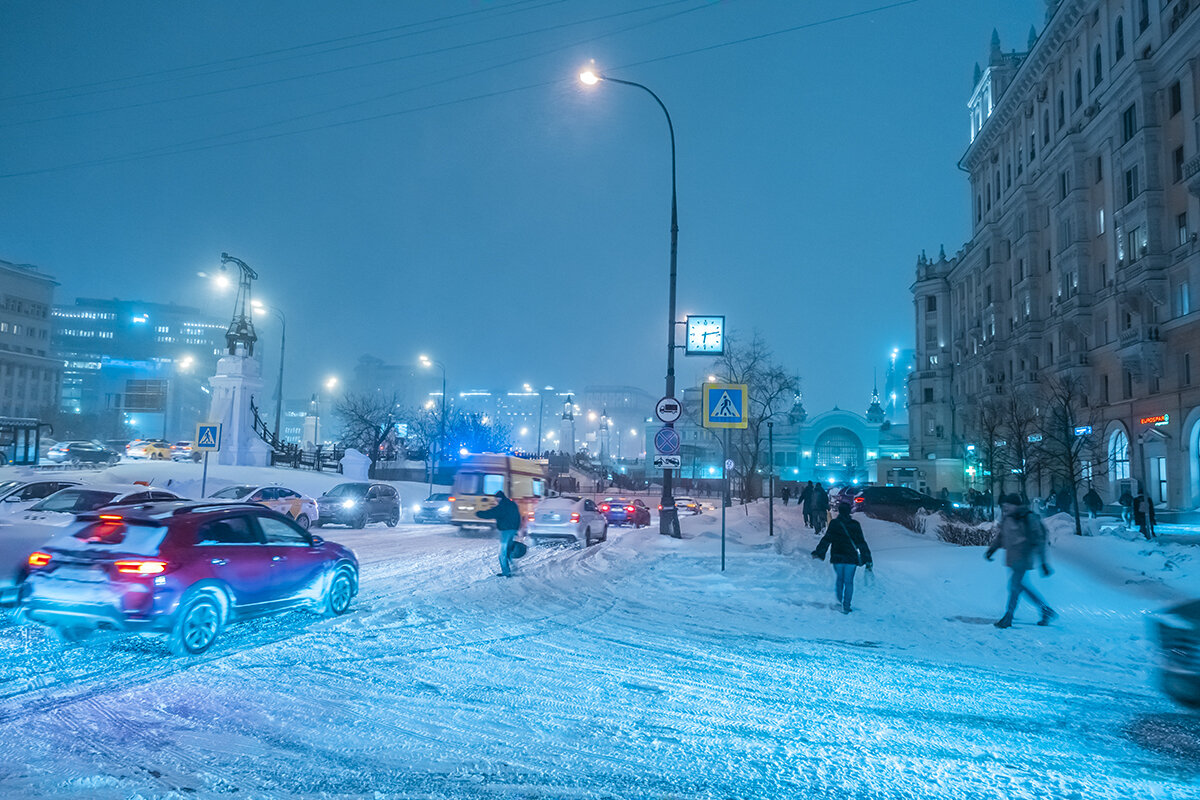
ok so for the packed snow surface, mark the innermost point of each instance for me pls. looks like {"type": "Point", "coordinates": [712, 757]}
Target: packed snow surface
{"type": "Point", "coordinates": [632, 669]}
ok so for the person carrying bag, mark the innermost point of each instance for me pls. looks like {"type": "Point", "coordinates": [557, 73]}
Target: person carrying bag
{"type": "Point", "coordinates": [847, 550]}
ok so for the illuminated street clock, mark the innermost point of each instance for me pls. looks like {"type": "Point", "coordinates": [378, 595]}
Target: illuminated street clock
{"type": "Point", "coordinates": [705, 336]}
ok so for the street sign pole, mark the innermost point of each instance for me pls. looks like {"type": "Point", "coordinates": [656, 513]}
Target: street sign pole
{"type": "Point", "coordinates": [771, 480]}
{"type": "Point", "coordinates": [724, 505]}
{"type": "Point", "coordinates": [204, 476]}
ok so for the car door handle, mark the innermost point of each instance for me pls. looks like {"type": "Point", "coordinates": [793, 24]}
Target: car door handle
{"type": "Point", "coordinates": [220, 562]}
{"type": "Point", "coordinates": [279, 558]}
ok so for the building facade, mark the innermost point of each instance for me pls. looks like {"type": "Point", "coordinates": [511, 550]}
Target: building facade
{"type": "Point", "coordinates": [141, 366]}
{"type": "Point", "coordinates": [30, 375]}
{"type": "Point", "coordinates": [1085, 195]}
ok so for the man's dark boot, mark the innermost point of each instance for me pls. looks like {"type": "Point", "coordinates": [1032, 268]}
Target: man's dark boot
{"type": "Point", "coordinates": [1004, 622]}
{"type": "Point", "coordinates": [1048, 616]}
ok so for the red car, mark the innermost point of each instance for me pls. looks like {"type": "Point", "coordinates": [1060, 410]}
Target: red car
{"type": "Point", "coordinates": [185, 569]}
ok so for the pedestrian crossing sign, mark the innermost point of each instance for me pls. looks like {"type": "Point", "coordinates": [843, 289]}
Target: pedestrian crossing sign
{"type": "Point", "coordinates": [725, 405]}
{"type": "Point", "coordinates": [208, 436]}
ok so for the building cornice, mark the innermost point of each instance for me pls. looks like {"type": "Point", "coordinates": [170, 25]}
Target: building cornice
{"type": "Point", "coordinates": [1057, 31]}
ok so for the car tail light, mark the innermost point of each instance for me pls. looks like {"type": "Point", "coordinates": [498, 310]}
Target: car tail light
{"type": "Point", "coordinates": [530, 516]}
{"type": "Point", "coordinates": [604, 507]}
{"type": "Point", "coordinates": [141, 566]}
{"type": "Point", "coordinates": [451, 499]}
{"type": "Point", "coordinates": [39, 559]}
{"type": "Point", "coordinates": [574, 516]}
{"type": "Point", "coordinates": [112, 517]}
{"type": "Point", "coordinates": [660, 506]}
{"type": "Point", "coordinates": [629, 508]}
{"type": "Point", "coordinates": [858, 499]}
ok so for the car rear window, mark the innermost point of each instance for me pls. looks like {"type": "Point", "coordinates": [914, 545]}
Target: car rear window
{"type": "Point", "coordinates": [478, 483]}
{"type": "Point", "coordinates": [75, 500]}
{"type": "Point", "coordinates": [119, 536]}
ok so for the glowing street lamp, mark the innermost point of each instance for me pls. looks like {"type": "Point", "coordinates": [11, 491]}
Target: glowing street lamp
{"type": "Point", "coordinates": [668, 517]}
{"type": "Point", "coordinates": [427, 362]}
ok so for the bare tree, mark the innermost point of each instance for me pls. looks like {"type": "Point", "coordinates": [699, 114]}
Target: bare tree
{"type": "Point", "coordinates": [368, 420]}
{"type": "Point", "coordinates": [987, 425]}
{"type": "Point", "coordinates": [1020, 436]}
{"type": "Point", "coordinates": [476, 433]}
{"type": "Point", "coordinates": [1066, 446]}
{"type": "Point", "coordinates": [772, 392]}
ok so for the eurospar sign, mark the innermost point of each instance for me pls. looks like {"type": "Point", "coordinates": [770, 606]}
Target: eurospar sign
{"type": "Point", "coordinates": [1158, 420]}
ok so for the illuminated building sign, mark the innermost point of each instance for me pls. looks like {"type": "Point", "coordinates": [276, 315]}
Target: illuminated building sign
{"type": "Point", "coordinates": [1157, 420]}
{"type": "Point", "coordinates": [1083, 430]}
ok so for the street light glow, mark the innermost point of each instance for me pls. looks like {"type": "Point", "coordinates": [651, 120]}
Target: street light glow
{"type": "Point", "coordinates": [331, 382]}
{"type": "Point", "coordinates": [589, 77]}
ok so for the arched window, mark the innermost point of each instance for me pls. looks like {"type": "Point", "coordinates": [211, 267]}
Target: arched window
{"type": "Point", "coordinates": [838, 447]}
{"type": "Point", "coordinates": [1118, 456]}
{"type": "Point", "coordinates": [1078, 88]}
{"type": "Point", "coordinates": [1097, 67]}
{"type": "Point", "coordinates": [1119, 44]}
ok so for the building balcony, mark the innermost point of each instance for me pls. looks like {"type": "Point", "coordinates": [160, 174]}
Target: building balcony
{"type": "Point", "coordinates": [1138, 334]}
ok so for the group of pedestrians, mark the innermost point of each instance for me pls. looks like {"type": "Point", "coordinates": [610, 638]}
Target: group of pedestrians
{"type": "Point", "coordinates": [1020, 533]}
{"type": "Point", "coordinates": [814, 505]}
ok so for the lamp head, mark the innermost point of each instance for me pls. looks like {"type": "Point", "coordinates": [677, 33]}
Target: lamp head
{"type": "Point", "coordinates": [589, 77]}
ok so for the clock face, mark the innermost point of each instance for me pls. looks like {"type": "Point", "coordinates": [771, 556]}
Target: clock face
{"type": "Point", "coordinates": [705, 336]}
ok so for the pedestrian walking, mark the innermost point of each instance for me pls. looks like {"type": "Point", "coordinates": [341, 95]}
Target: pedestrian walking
{"type": "Point", "coordinates": [1023, 537]}
{"type": "Point", "coordinates": [820, 508]}
{"type": "Point", "coordinates": [1093, 502]}
{"type": "Point", "coordinates": [847, 551]}
{"type": "Point", "coordinates": [785, 493]}
{"type": "Point", "coordinates": [806, 501]}
{"type": "Point", "coordinates": [1143, 515]}
{"type": "Point", "coordinates": [508, 521]}
{"type": "Point", "coordinates": [1126, 501]}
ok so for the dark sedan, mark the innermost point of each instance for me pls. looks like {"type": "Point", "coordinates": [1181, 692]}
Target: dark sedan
{"type": "Point", "coordinates": [624, 511]}
{"type": "Point", "coordinates": [76, 453]}
{"type": "Point", "coordinates": [894, 503]}
{"type": "Point", "coordinates": [183, 569]}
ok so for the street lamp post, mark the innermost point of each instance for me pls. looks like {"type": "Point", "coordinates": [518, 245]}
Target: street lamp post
{"type": "Point", "coordinates": [282, 345]}
{"type": "Point", "coordinates": [433, 462]}
{"type": "Point", "coordinates": [668, 518]}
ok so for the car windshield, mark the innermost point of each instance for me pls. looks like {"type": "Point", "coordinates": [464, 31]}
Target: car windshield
{"type": "Point", "coordinates": [75, 500]}
{"type": "Point", "coordinates": [233, 492]}
{"type": "Point", "coordinates": [347, 490]}
{"type": "Point", "coordinates": [8, 486]}
{"type": "Point", "coordinates": [438, 498]}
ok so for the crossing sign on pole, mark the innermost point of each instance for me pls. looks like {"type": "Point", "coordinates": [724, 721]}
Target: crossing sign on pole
{"type": "Point", "coordinates": [725, 405]}
{"type": "Point", "coordinates": [208, 436]}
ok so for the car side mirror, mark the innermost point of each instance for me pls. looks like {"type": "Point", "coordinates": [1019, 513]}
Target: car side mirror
{"type": "Point", "coordinates": [317, 541]}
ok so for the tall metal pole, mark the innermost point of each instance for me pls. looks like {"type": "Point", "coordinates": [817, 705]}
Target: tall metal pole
{"type": "Point", "coordinates": [771, 480]}
{"type": "Point", "coordinates": [537, 451]}
{"type": "Point", "coordinates": [279, 386]}
{"type": "Point", "coordinates": [441, 427]}
{"type": "Point", "coordinates": [668, 518]}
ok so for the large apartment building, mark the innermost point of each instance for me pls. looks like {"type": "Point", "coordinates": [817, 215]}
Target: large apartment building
{"type": "Point", "coordinates": [30, 375]}
{"type": "Point", "coordinates": [1085, 197]}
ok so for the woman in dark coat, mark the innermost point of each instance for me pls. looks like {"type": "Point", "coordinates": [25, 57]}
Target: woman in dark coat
{"type": "Point", "coordinates": [847, 550]}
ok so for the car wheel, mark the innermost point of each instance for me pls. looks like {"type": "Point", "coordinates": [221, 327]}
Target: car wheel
{"type": "Point", "coordinates": [587, 537]}
{"type": "Point", "coordinates": [303, 521]}
{"type": "Point", "coordinates": [74, 462]}
{"type": "Point", "coordinates": [360, 521]}
{"type": "Point", "coordinates": [113, 460]}
{"type": "Point", "coordinates": [196, 626]}
{"type": "Point", "coordinates": [339, 594]}
{"type": "Point", "coordinates": [393, 519]}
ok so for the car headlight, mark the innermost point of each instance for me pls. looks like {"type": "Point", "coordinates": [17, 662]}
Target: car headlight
{"type": "Point", "coordinates": [444, 509]}
{"type": "Point", "coordinates": [417, 508]}
{"type": "Point", "coordinates": [349, 503]}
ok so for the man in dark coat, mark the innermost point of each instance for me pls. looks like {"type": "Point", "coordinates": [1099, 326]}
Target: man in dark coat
{"type": "Point", "coordinates": [847, 550]}
{"type": "Point", "coordinates": [786, 493]}
{"type": "Point", "coordinates": [1023, 537]}
{"type": "Point", "coordinates": [805, 501]}
{"type": "Point", "coordinates": [508, 521]}
{"type": "Point", "coordinates": [820, 508]}
{"type": "Point", "coordinates": [1143, 515]}
{"type": "Point", "coordinates": [1092, 502]}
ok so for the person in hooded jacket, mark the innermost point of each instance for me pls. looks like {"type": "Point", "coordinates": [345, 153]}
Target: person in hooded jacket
{"type": "Point", "coordinates": [1023, 537]}
{"type": "Point", "coordinates": [805, 501]}
{"type": "Point", "coordinates": [1143, 515]}
{"type": "Point", "coordinates": [508, 521]}
{"type": "Point", "coordinates": [847, 550]}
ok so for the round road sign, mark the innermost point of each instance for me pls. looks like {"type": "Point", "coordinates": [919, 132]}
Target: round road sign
{"type": "Point", "coordinates": [729, 463]}
{"type": "Point", "coordinates": [668, 409]}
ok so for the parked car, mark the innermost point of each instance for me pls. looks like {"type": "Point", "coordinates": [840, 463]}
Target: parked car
{"type": "Point", "coordinates": [301, 508]}
{"type": "Point", "coordinates": [1177, 632]}
{"type": "Point", "coordinates": [689, 504]}
{"type": "Point", "coordinates": [76, 453]}
{"type": "Point", "coordinates": [60, 508]}
{"type": "Point", "coordinates": [16, 496]}
{"type": "Point", "coordinates": [435, 508]}
{"type": "Point", "coordinates": [895, 502]}
{"type": "Point", "coordinates": [185, 451]}
{"type": "Point", "coordinates": [148, 448]}
{"type": "Point", "coordinates": [359, 504]}
{"type": "Point", "coordinates": [623, 511]}
{"type": "Point", "coordinates": [568, 518]}
{"type": "Point", "coordinates": [22, 533]}
{"type": "Point", "coordinates": [183, 569]}
{"type": "Point", "coordinates": [844, 494]}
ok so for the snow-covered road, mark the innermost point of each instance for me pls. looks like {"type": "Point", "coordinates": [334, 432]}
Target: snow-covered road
{"type": "Point", "coordinates": [632, 669]}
